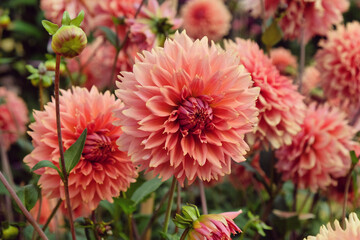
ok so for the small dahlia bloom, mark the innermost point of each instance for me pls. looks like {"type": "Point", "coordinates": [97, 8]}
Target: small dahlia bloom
{"type": "Point", "coordinates": [311, 79]}
{"type": "Point", "coordinates": [283, 60]}
{"type": "Point", "coordinates": [281, 106]}
{"type": "Point", "coordinates": [319, 153]}
{"type": "Point", "coordinates": [103, 170]}
{"type": "Point", "coordinates": [187, 109]}
{"type": "Point", "coordinates": [13, 117]}
{"type": "Point", "coordinates": [208, 18]}
{"type": "Point", "coordinates": [338, 61]}
{"type": "Point", "coordinates": [351, 231]}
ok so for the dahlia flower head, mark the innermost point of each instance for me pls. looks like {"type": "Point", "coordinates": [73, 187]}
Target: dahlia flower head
{"type": "Point", "coordinates": [53, 10]}
{"type": "Point", "coordinates": [13, 117]}
{"type": "Point", "coordinates": [319, 153]}
{"type": "Point", "coordinates": [154, 23]}
{"type": "Point", "coordinates": [338, 61]}
{"type": "Point", "coordinates": [187, 109]}
{"type": "Point", "coordinates": [351, 231]}
{"type": "Point", "coordinates": [283, 60]}
{"type": "Point", "coordinates": [208, 18]}
{"type": "Point", "coordinates": [315, 17]}
{"type": "Point", "coordinates": [103, 170]}
{"type": "Point", "coordinates": [281, 106]}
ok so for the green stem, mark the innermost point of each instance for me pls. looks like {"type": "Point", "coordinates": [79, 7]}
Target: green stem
{"type": "Point", "coordinates": [170, 202]}
{"type": "Point", "coordinates": [61, 148]}
{"type": "Point", "coordinates": [183, 236]}
{"type": "Point", "coordinates": [52, 214]}
{"type": "Point", "coordinates": [203, 197]}
{"type": "Point", "coordinates": [347, 186]}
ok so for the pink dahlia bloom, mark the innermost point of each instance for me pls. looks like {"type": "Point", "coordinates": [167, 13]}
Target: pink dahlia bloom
{"type": "Point", "coordinates": [281, 106]}
{"type": "Point", "coordinates": [208, 18]}
{"type": "Point", "coordinates": [13, 117]}
{"type": "Point", "coordinates": [283, 60]}
{"type": "Point", "coordinates": [187, 109]}
{"type": "Point", "coordinates": [311, 79]}
{"type": "Point", "coordinates": [316, 16]}
{"type": "Point", "coordinates": [337, 62]}
{"type": "Point", "coordinates": [319, 153]}
{"type": "Point", "coordinates": [103, 170]}
{"type": "Point", "coordinates": [214, 226]}
{"type": "Point", "coordinates": [351, 231]}
{"type": "Point", "coordinates": [53, 10]}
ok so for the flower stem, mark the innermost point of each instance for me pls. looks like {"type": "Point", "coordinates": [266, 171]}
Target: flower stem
{"type": "Point", "coordinates": [22, 207]}
{"type": "Point", "coordinates": [302, 56]}
{"type": "Point", "coordinates": [170, 202]}
{"type": "Point", "coordinates": [61, 148]}
{"type": "Point", "coordinates": [178, 203]}
{"type": "Point", "coordinates": [183, 236]}
{"type": "Point", "coordinates": [347, 186]}
{"type": "Point", "coordinates": [52, 214]}
{"type": "Point", "coordinates": [41, 96]}
{"type": "Point", "coordinates": [203, 197]}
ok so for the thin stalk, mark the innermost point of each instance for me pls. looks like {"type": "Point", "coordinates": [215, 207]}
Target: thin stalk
{"type": "Point", "coordinates": [347, 186]}
{"type": "Point", "coordinates": [41, 96]}
{"type": "Point", "coordinates": [183, 236]}
{"type": "Point", "coordinates": [304, 202]}
{"type": "Point", "coordinates": [170, 202]}
{"type": "Point", "coordinates": [22, 207]}
{"type": "Point", "coordinates": [302, 56]}
{"type": "Point", "coordinates": [178, 203]}
{"type": "Point", "coordinates": [203, 197]}
{"type": "Point", "coordinates": [93, 218]}
{"type": "Point", "coordinates": [61, 148]}
{"type": "Point", "coordinates": [52, 214]}
{"type": "Point", "coordinates": [38, 213]}
{"type": "Point", "coordinates": [131, 230]}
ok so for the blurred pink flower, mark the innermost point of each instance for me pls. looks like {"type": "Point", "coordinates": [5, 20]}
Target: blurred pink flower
{"type": "Point", "coordinates": [13, 117]}
{"type": "Point", "coordinates": [311, 79]}
{"type": "Point", "coordinates": [214, 226]}
{"type": "Point", "coordinates": [208, 18]}
{"type": "Point", "coordinates": [338, 64]}
{"type": "Point", "coordinates": [351, 231]}
{"type": "Point", "coordinates": [320, 152]}
{"type": "Point", "coordinates": [187, 108]}
{"type": "Point", "coordinates": [283, 59]}
{"type": "Point", "coordinates": [281, 106]}
{"type": "Point", "coordinates": [53, 10]}
{"type": "Point", "coordinates": [103, 170]}
{"type": "Point", "coordinates": [316, 16]}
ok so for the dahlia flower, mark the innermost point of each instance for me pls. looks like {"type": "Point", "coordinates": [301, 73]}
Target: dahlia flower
{"type": "Point", "coordinates": [208, 18]}
{"type": "Point", "coordinates": [103, 170]}
{"type": "Point", "coordinates": [351, 231]}
{"type": "Point", "coordinates": [319, 153]}
{"type": "Point", "coordinates": [187, 108]}
{"type": "Point", "coordinates": [311, 79]}
{"type": "Point", "coordinates": [53, 10]}
{"type": "Point", "coordinates": [281, 106]}
{"type": "Point", "coordinates": [13, 117]}
{"type": "Point", "coordinates": [283, 60]}
{"type": "Point", "coordinates": [337, 62]}
{"type": "Point", "coordinates": [315, 17]}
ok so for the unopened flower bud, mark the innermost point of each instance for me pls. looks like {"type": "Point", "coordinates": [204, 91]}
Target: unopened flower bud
{"type": "Point", "coordinates": [4, 21]}
{"type": "Point", "coordinates": [69, 41]}
{"type": "Point", "coordinates": [10, 233]}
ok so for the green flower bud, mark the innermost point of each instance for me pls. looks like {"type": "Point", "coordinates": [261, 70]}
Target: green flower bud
{"type": "Point", "coordinates": [4, 21]}
{"type": "Point", "coordinates": [51, 64]}
{"type": "Point", "coordinates": [69, 41]}
{"type": "Point", "coordinates": [10, 233]}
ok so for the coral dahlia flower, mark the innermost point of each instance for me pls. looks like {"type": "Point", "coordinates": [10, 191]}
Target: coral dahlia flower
{"type": "Point", "coordinates": [208, 18]}
{"type": "Point", "coordinates": [338, 64]}
{"type": "Point", "coordinates": [281, 106]}
{"type": "Point", "coordinates": [103, 170]}
{"type": "Point", "coordinates": [319, 153]}
{"type": "Point", "coordinates": [187, 109]}
{"type": "Point", "coordinates": [13, 117]}
{"type": "Point", "coordinates": [351, 231]}
{"type": "Point", "coordinates": [283, 60]}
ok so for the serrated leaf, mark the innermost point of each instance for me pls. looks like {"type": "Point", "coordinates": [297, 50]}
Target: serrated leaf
{"type": "Point", "coordinates": [110, 36]}
{"type": "Point", "coordinates": [50, 27]}
{"type": "Point", "coordinates": [78, 20]}
{"type": "Point", "coordinates": [46, 163]}
{"type": "Point", "coordinates": [73, 153]}
{"type": "Point", "coordinates": [272, 34]}
{"type": "Point", "coordinates": [354, 158]}
{"type": "Point", "coordinates": [145, 189]}
{"type": "Point", "coordinates": [66, 18]}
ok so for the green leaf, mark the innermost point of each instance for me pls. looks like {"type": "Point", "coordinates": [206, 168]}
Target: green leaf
{"type": "Point", "coordinates": [66, 18]}
{"type": "Point", "coordinates": [354, 158]}
{"type": "Point", "coordinates": [145, 189]}
{"type": "Point", "coordinates": [110, 36]}
{"type": "Point", "coordinates": [73, 153]}
{"type": "Point", "coordinates": [28, 195]}
{"type": "Point", "coordinates": [3, 190]}
{"type": "Point", "coordinates": [272, 34]}
{"type": "Point", "coordinates": [50, 27]}
{"type": "Point", "coordinates": [126, 204]}
{"type": "Point", "coordinates": [31, 69]}
{"type": "Point", "coordinates": [26, 30]}
{"type": "Point", "coordinates": [78, 20]}
{"type": "Point", "coordinates": [46, 163]}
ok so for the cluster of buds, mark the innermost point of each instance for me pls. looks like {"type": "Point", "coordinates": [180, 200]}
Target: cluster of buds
{"type": "Point", "coordinates": [68, 40]}
{"type": "Point", "coordinates": [40, 75]}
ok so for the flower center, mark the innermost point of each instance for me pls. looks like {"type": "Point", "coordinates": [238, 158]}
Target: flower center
{"type": "Point", "coordinates": [98, 147]}
{"type": "Point", "coordinates": [195, 115]}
